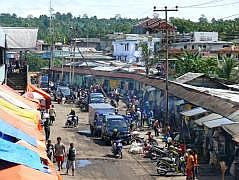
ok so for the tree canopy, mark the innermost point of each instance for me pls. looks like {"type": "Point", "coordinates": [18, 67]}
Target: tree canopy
{"type": "Point", "coordinates": [95, 27]}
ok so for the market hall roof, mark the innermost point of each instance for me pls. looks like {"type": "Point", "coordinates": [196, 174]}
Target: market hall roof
{"type": "Point", "coordinates": [209, 117]}
{"type": "Point", "coordinates": [193, 112]}
{"type": "Point", "coordinates": [21, 37]}
{"type": "Point", "coordinates": [221, 102]}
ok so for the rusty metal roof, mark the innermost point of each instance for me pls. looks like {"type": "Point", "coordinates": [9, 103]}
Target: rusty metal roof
{"type": "Point", "coordinates": [217, 104]}
{"type": "Point", "coordinates": [189, 77]}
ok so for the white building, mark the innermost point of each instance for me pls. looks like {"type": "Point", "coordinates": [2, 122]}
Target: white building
{"type": "Point", "coordinates": [202, 41]}
{"type": "Point", "coordinates": [128, 48]}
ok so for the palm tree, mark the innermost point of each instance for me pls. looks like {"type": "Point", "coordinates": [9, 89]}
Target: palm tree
{"type": "Point", "coordinates": [227, 67]}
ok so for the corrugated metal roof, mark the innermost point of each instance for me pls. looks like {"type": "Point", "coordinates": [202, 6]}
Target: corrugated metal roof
{"type": "Point", "coordinates": [220, 105]}
{"type": "Point", "coordinates": [193, 112]}
{"type": "Point", "coordinates": [232, 129]}
{"type": "Point", "coordinates": [217, 122]}
{"type": "Point", "coordinates": [207, 118]}
{"type": "Point", "coordinates": [235, 116]}
{"type": "Point", "coordinates": [188, 77]}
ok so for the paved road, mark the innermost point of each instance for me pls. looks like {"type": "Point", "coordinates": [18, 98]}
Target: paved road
{"type": "Point", "coordinates": [94, 160]}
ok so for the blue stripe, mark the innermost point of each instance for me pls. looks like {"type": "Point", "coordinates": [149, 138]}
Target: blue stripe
{"type": "Point", "coordinates": [9, 130]}
{"type": "Point", "coordinates": [18, 154]}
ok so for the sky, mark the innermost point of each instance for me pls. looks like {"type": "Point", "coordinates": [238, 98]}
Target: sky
{"type": "Point", "coordinates": [188, 9]}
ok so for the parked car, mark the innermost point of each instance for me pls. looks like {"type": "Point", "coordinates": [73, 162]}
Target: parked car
{"type": "Point", "coordinates": [112, 122]}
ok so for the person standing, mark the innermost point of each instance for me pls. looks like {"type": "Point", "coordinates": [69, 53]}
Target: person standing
{"type": "Point", "coordinates": [52, 114]}
{"type": "Point", "coordinates": [59, 153]}
{"type": "Point", "coordinates": [189, 165]}
{"type": "Point", "coordinates": [196, 165]}
{"type": "Point", "coordinates": [156, 127]}
{"type": "Point", "coordinates": [71, 159]}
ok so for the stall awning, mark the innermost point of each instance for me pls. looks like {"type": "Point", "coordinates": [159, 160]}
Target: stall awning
{"type": "Point", "coordinates": [193, 112]}
{"type": "Point", "coordinates": [233, 130]}
{"type": "Point", "coordinates": [207, 118]}
{"type": "Point", "coordinates": [18, 154]}
{"type": "Point", "coordinates": [218, 122]}
{"type": "Point", "coordinates": [21, 172]}
{"type": "Point", "coordinates": [9, 130]}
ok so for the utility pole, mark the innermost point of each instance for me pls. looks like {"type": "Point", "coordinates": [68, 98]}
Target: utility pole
{"type": "Point", "coordinates": [52, 42]}
{"type": "Point", "coordinates": [166, 10]}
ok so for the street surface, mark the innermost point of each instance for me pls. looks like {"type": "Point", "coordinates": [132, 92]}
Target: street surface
{"type": "Point", "coordinates": [94, 159]}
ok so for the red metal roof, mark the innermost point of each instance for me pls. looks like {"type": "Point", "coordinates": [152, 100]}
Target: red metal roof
{"type": "Point", "coordinates": [156, 25]}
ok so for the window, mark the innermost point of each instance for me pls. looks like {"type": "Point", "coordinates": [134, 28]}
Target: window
{"type": "Point", "coordinates": [204, 46]}
{"type": "Point", "coordinates": [136, 47]}
{"type": "Point", "coordinates": [185, 47]}
{"type": "Point", "coordinates": [126, 48]}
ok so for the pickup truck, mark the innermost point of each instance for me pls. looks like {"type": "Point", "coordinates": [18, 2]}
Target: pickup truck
{"type": "Point", "coordinates": [97, 112]}
{"type": "Point", "coordinates": [111, 122]}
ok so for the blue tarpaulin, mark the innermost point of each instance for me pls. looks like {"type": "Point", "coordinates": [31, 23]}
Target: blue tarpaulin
{"type": "Point", "coordinates": [9, 130]}
{"type": "Point", "coordinates": [18, 154]}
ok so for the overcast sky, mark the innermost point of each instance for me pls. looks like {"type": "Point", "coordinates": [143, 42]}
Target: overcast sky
{"type": "Point", "coordinates": [127, 8]}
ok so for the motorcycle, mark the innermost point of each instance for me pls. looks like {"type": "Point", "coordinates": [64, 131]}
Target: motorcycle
{"type": "Point", "coordinates": [72, 121]}
{"type": "Point", "coordinates": [117, 147]}
{"type": "Point", "coordinates": [171, 165]}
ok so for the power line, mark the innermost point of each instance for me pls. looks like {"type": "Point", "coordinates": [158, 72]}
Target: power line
{"type": "Point", "coordinates": [230, 16]}
{"type": "Point", "coordinates": [201, 4]}
{"type": "Point", "coordinates": [213, 6]}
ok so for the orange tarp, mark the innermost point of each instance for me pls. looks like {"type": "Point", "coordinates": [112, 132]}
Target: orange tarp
{"type": "Point", "coordinates": [26, 126]}
{"type": "Point", "coordinates": [31, 88]}
{"type": "Point", "coordinates": [19, 97]}
{"type": "Point", "coordinates": [20, 172]}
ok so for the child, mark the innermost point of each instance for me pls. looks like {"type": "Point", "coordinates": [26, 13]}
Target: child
{"type": "Point", "coordinates": [50, 150]}
{"type": "Point", "coordinates": [71, 159]}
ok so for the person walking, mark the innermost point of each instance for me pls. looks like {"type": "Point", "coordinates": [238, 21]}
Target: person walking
{"type": "Point", "coordinates": [52, 114]}
{"type": "Point", "coordinates": [50, 150]}
{"type": "Point", "coordinates": [46, 125]}
{"type": "Point", "coordinates": [71, 159]}
{"type": "Point", "coordinates": [59, 153]}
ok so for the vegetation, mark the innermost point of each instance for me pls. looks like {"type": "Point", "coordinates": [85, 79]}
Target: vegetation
{"type": "Point", "coordinates": [193, 62]}
{"type": "Point", "coordinates": [226, 68]}
{"type": "Point", "coordinates": [35, 62]}
{"type": "Point", "coordinates": [83, 26]}
{"type": "Point", "coordinates": [94, 27]}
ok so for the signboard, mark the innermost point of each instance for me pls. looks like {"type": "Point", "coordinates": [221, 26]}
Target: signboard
{"type": "Point", "coordinates": [114, 84]}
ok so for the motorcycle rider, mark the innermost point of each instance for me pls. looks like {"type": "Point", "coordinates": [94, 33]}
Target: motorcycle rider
{"type": "Point", "coordinates": [114, 138]}
{"type": "Point", "coordinates": [72, 114]}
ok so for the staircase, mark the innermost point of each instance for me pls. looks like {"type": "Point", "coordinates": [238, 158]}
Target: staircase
{"type": "Point", "coordinates": [17, 81]}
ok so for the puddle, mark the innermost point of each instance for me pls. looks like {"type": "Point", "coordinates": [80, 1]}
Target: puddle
{"type": "Point", "coordinates": [82, 163]}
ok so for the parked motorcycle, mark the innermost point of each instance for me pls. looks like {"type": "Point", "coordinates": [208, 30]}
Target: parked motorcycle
{"type": "Point", "coordinates": [171, 165]}
{"type": "Point", "coordinates": [72, 121]}
{"type": "Point", "coordinates": [117, 147]}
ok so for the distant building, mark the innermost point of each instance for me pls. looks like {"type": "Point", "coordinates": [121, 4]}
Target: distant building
{"type": "Point", "coordinates": [207, 43]}
{"type": "Point", "coordinates": [87, 42]}
{"type": "Point", "coordinates": [152, 26]}
{"type": "Point", "coordinates": [230, 52]}
{"type": "Point", "coordinates": [128, 49]}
